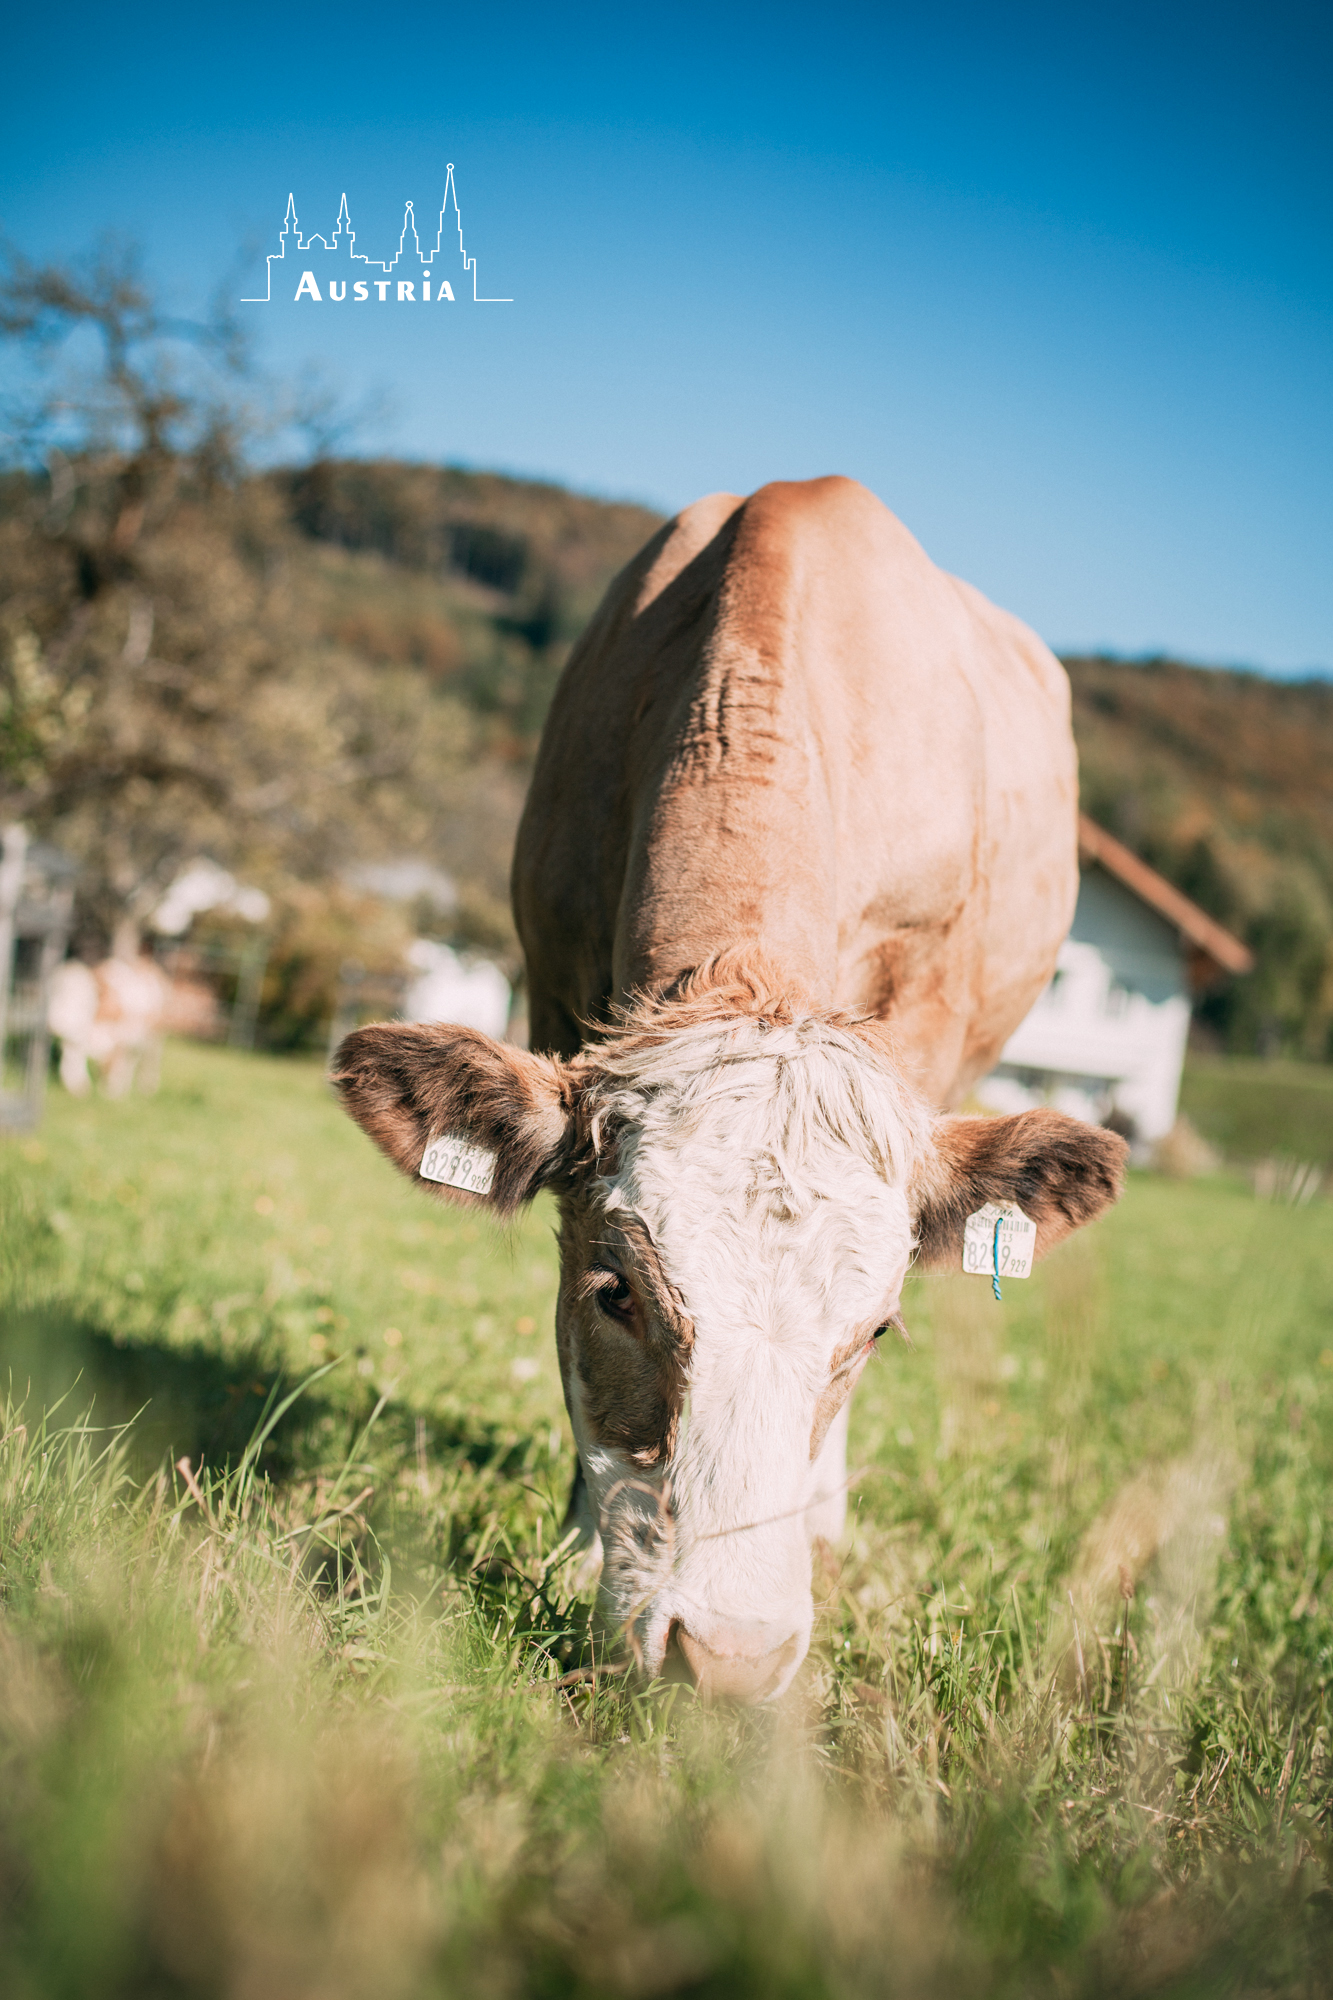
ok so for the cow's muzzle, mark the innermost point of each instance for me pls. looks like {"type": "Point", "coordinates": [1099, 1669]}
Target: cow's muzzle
{"type": "Point", "coordinates": [736, 1664]}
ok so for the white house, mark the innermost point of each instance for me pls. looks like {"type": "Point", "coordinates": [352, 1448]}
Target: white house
{"type": "Point", "coordinates": [1106, 1040]}
{"type": "Point", "coordinates": [471, 992]}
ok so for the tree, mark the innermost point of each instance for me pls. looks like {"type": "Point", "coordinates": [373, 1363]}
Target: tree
{"type": "Point", "coordinates": [164, 690]}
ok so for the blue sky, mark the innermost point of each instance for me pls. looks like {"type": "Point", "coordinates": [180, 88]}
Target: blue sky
{"type": "Point", "coordinates": [1055, 283]}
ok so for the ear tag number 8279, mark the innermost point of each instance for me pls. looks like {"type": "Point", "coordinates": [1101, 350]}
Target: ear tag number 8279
{"type": "Point", "coordinates": [1003, 1252]}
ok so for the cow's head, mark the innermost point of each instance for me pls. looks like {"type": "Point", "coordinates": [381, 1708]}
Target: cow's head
{"type": "Point", "coordinates": [742, 1188]}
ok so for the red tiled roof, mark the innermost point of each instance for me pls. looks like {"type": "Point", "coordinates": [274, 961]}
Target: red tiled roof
{"type": "Point", "coordinates": [1226, 952]}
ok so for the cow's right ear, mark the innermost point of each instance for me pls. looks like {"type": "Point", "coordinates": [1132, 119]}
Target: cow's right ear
{"type": "Point", "coordinates": [479, 1121]}
{"type": "Point", "coordinates": [1061, 1173]}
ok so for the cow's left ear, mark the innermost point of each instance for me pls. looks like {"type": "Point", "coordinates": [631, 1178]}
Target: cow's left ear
{"type": "Point", "coordinates": [475, 1121]}
{"type": "Point", "coordinates": [1060, 1172]}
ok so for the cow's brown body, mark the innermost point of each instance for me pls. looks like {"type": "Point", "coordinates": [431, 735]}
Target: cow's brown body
{"type": "Point", "coordinates": [795, 784]}
{"type": "Point", "coordinates": [786, 729]}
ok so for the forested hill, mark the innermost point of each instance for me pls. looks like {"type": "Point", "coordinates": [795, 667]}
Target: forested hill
{"type": "Point", "coordinates": [1224, 781]}
{"type": "Point", "coordinates": [547, 552]}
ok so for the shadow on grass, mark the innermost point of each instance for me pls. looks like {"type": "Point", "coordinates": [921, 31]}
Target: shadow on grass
{"type": "Point", "coordinates": [187, 1402]}
{"type": "Point", "coordinates": [191, 1403]}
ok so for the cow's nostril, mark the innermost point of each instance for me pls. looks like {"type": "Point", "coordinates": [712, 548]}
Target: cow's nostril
{"type": "Point", "coordinates": [734, 1676]}
{"type": "Point", "coordinates": [675, 1666]}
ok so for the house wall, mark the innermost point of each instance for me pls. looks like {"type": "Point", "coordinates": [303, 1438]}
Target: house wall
{"type": "Point", "coordinates": [1107, 1037]}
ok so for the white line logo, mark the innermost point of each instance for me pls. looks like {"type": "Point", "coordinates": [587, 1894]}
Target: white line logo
{"type": "Point", "coordinates": [318, 267]}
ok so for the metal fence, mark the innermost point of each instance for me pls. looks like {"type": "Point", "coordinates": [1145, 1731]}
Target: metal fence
{"type": "Point", "coordinates": [36, 904]}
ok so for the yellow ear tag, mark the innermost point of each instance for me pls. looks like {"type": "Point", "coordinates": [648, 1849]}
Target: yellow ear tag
{"type": "Point", "coordinates": [455, 1162]}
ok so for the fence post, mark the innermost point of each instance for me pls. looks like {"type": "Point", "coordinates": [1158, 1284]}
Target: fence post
{"type": "Point", "coordinates": [249, 990]}
{"type": "Point", "coordinates": [13, 853]}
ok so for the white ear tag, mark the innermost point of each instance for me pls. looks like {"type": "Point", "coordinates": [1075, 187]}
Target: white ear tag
{"type": "Point", "coordinates": [1003, 1253]}
{"type": "Point", "coordinates": [455, 1162]}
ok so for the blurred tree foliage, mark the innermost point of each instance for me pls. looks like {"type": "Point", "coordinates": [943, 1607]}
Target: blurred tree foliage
{"type": "Point", "coordinates": [317, 932]}
{"type": "Point", "coordinates": [166, 687]}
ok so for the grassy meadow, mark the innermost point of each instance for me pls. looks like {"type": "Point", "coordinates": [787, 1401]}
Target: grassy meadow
{"type": "Point", "coordinates": [297, 1700]}
{"type": "Point", "coordinates": [1253, 1108]}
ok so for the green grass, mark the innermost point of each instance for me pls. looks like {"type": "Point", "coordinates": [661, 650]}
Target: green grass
{"type": "Point", "coordinates": [1251, 1109]}
{"type": "Point", "coordinates": [333, 1723]}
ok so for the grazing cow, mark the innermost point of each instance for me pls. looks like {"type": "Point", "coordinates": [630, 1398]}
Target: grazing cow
{"type": "Point", "coordinates": [798, 856]}
{"type": "Point", "coordinates": [112, 1015]}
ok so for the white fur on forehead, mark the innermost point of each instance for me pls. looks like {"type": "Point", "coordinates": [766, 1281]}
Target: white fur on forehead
{"type": "Point", "coordinates": [769, 1162]}
{"type": "Point", "coordinates": [796, 1098]}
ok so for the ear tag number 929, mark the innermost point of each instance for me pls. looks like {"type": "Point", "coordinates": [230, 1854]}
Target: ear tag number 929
{"type": "Point", "coordinates": [455, 1162]}
{"type": "Point", "coordinates": [1006, 1253]}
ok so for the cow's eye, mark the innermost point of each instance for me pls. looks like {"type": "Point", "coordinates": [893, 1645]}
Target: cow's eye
{"type": "Point", "coordinates": [613, 1295]}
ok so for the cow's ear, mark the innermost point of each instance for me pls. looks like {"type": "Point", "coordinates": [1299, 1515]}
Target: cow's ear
{"type": "Point", "coordinates": [1060, 1172]}
{"type": "Point", "coordinates": [475, 1120]}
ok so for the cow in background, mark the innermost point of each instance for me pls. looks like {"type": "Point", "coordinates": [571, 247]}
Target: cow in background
{"type": "Point", "coordinates": [112, 1015]}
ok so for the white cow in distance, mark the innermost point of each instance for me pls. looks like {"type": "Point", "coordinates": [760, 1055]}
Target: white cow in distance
{"type": "Point", "coordinates": [111, 1015]}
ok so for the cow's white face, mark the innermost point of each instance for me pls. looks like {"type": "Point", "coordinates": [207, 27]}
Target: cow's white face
{"type": "Point", "coordinates": [741, 1192]}
{"type": "Point", "coordinates": [726, 1266]}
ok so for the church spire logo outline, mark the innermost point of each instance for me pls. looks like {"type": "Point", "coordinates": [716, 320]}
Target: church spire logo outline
{"type": "Point", "coordinates": [343, 241]}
